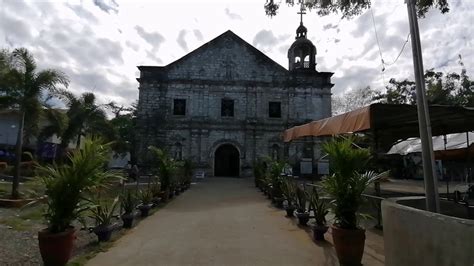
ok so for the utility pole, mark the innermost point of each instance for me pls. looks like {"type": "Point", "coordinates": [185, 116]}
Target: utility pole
{"type": "Point", "coordinates": [429, 173]}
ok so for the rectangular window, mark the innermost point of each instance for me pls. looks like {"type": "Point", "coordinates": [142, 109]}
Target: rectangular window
{"type": "Point", "coordinates": [227, 107]}
{"type": "Point", "coordinates": [274, 109]}
{"type": "Point", "coordinates": [179, 107]}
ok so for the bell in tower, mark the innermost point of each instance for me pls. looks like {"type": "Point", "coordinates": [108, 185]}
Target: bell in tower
{"type": "Point", "coordinates": [302, 53]}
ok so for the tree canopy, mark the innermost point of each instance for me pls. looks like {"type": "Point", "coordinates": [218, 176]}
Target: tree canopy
{"type": "Point", "coordinates": [349, 8]}
{"type": "Point", "coordinates": [85, 116]}
{"type": "Point", "coordinates": [441, 88]}
{"type": "Point", "coordinates": [352, 100]}
{"type": "Point", "coordinates": [21, 88]}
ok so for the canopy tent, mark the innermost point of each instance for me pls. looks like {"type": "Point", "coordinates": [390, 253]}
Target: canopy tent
{"type": "Point", "coordinates": [453, 142]}
{"type": "Point", "coordinates": [387, 123]}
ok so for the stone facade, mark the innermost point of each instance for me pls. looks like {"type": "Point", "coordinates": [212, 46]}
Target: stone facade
{"type": "Point", "coordinates": [186, 106]}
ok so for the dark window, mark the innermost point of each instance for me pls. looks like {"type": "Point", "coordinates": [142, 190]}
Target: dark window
{"type": "Point", "coordinates": [179, 107]}
{"type": "Point", "coordinates": [274, 109]}
{"type": "Point", "coordinates": [227, 107]}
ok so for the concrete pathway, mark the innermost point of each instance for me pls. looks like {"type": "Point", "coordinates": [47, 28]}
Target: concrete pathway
{"type": "Point", "coordinates": [224, 221]}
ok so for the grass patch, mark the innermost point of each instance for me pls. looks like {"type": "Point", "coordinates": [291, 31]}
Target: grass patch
{"type": "Point", "coordinates": [16, 223]}
{"type": "Point", "coordinates": [24, 219]}
{"type": "Point", "coordinates": [30, 189]}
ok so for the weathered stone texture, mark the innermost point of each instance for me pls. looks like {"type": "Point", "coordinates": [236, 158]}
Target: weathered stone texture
{"type": "Point", "coordinates": [228, 68]}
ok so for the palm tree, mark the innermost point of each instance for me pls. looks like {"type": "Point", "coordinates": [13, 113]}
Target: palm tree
{"type": "Point", "coordinates": [56, 123]}
{"type": "Point", "coordinates": [85, 116]}
{"type": "Point", "coordinates": [21, 88]}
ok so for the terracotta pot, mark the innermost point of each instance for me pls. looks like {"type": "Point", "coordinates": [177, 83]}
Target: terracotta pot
{"type": "Point", "coordinates": [319, 231]}
{"type": "Point", "coordinates": [349, 245]}
{"type": "Point", "coordinates": [56, 248]}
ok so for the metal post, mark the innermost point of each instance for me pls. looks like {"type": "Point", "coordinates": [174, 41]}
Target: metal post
{"type": "Point", "coordinates": [446, 175]}
{"type": "Point", "coordinates": [429, 173]}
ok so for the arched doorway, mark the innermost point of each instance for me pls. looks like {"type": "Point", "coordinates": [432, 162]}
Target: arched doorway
{"type": "Point", "coordinates": [226, 161]}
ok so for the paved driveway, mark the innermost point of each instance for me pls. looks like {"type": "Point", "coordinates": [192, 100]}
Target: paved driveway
{"type": "Point", "coordinates": [223, 221]}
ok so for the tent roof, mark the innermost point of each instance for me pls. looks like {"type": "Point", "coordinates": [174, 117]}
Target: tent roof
{"type": "Point", "coordinates": [388, 123]}
{"type": "Point", "coordinates": [453, 142]}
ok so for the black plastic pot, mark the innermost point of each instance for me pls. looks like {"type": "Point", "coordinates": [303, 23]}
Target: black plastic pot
{"type": "Point", "coordinates": [278, 202]}
{"type": "Point", "coordinates": [303, 218]}
{"type": "Point", "coordinates": [290, 210]}
{"type": "Point", "coordinates": [144, 209]}
{"type": "Point", "coordinates": [104, 232]}
{"type": "Point", "coordinates": [127, 220]}
{"type": "Point", "coordinates": [156, 201]}
{"type": "Point", "coordinates": [319, 231]}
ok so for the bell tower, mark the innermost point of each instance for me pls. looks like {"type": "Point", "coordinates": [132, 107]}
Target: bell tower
{"type": "Point", "coordinates": [302, 53]}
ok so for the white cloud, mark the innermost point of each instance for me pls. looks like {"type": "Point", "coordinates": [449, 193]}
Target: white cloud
{"type": "Point", "coordinates": [181, 40]}
{"type": "Point", "coordinates": [99, 43]}
{"type": "Point", "coordinates": [232, 15]}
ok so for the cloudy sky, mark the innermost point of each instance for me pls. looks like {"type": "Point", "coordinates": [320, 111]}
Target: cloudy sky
{"type": "Point", "coordinates": [99, 43]}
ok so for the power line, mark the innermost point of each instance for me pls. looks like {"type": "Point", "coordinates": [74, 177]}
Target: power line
{"type": "Point", "coordinates": [380, 50]}
{"type": "Point", "coordinates": [377, 38]}
{"type": "Point", "coordinates": [401, 51]}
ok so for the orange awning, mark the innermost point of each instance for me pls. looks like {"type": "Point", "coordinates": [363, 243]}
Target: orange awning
{"type": "Point", "coordinates": [357, 120]}
{"type": "Point", "coordinates": [388, 123]}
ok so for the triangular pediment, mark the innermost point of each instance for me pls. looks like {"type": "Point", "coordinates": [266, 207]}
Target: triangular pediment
{"type": "Point", "coordinates": [226, 57]}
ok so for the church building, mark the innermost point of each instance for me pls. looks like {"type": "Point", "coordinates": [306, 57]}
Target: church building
{"type": "Point", "coordinates": [225, 104]}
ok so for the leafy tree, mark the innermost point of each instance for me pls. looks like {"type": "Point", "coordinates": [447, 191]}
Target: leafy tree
{"type": "Point", "coordinates": [353, 99]}
{"type": "Point", "coordinates": [21, 87]}
{"type": "Point", "coordinates": [124, 124]}
{"type": "Point", "coordinates": [86, 117]}
{"type": "Point", "coordinates": [350, 8]}
{"type": "Point", "coordinates": [443, 89]}
{"type": "Point", "coordinates": [56, 123]}
{"type": "Point", "coordinates": [398, 92]}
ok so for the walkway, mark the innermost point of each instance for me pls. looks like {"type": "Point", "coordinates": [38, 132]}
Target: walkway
{"type": "Point", "coordinates": [224, 221]}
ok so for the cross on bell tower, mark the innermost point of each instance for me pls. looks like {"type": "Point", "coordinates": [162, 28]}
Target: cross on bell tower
{"type": "Point", "coordinates": [302, 53]}
{"type": "Point", "coordinates": [301, 31]}
{"type": "Point", "coordinates": [301, 13]}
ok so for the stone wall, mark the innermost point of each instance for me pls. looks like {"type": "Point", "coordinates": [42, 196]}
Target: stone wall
{"type": "Point", "coordinates": [228, 68]}
{"type": "Point", "coordinates": [417, 237]}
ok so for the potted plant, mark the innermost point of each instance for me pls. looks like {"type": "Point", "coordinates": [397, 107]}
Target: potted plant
{"type": "Point", "coordinates": [145, 202]}
{"type": "Point", "coordinates": [345, 185]}
{"type": "Point", "coordinates": [289, 193]}
{"type": "Point", "coordinates": [177, 185]}
{"type": "Point", "coordinates": [128, 203]}
{"type": "Point", "coordinates": [103, 215]}
{"type": "Point", "coordinates": [155, 190]}
{"type": "Point", "coordinates": [320, 209]}
{"type": "Point", "coordinates": [276, 168]}
{"type": "Point", "coordinates": [165, 167]}
{"type": "Point", "coordinates": [188, 168]}
{"type": "Point", "coordinates": [67, 186]}
{"type": "Point", "coordinates": [259, 170]}
{"type": "Point", "coordinates": [301, 212]}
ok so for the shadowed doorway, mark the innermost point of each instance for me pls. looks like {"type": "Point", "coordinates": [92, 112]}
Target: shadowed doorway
{"type": "Point", "coordinates": [226, 161]}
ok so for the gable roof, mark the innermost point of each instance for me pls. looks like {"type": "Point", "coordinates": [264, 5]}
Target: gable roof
{"type": "Point", "coordinates": [228, 34]}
